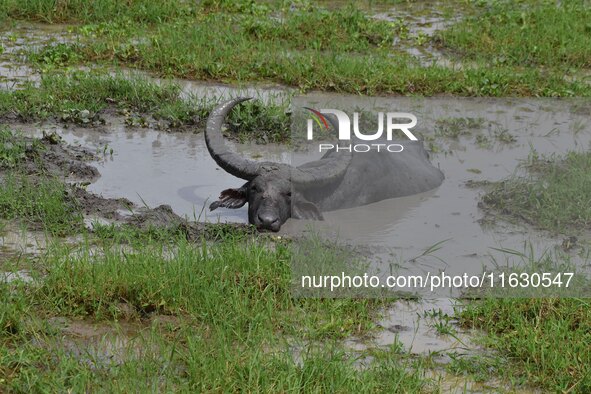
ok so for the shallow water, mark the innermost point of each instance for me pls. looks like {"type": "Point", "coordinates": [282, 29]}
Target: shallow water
{"type": "Point", "coordinates": [153, 167]}
{"type": "Point", "coordinates": [18, 240]}
{"type": "Point", "coordinates": [421, 21]}
{"type": "Point", "coordinates": [20, 37]}
{"type": "Point", "coordinates": [412, 325]}
{"type": "Point", "coordinates": [410, 225]}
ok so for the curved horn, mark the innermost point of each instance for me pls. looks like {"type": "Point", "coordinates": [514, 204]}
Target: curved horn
{"type": "Point", "coordinates": [226, 159]}
{"type": "Point", "coordinates": [323, 171]}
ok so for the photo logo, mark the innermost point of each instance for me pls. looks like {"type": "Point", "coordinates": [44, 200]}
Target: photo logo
{"type": "Point", "coordinates": [344, 130]}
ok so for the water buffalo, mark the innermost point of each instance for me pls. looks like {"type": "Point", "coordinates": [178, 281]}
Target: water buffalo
{"type": "Point", "coordinates": [277, 191]}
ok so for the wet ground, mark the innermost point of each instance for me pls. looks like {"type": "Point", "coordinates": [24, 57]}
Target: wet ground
{"type": "Point", "coordinates": [150, 167]}
{"type": "Point", "coordinates": [505, 132]}
{"type": "Point", "coordinates": [16, 41]}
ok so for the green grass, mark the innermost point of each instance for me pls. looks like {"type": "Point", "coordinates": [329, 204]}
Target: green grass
{"type": "Point", "coordinates": [526, 33]}
{"type": "Point", "coordinates": [43, 201]}
{"type": "Point", "coordinates": [53, 11]}
{"type": "Point", "coordinates": [59, 93]}
{"type": "Point", "coordinates": [545, 341]}
{"type": "Point", "coordinates": [65, 96]}
{"type": "Point", "coordinates": [335, 72]}
{"type": "Point", "coordinates": [554, 196]}
{"type": "Point", "coordinates": [233, 326]}
{"type": "Point", "coordinates": [308, 47]}
{"type": "Point", "coordinates": [38, 201]}
{"type": "Point", "coordinates": [206, 366]}
{"type": "Point", "coordinates": [13, 148]}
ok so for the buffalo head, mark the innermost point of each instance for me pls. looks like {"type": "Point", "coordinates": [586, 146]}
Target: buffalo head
{"type": "Point", "coordinates": [269, 190]}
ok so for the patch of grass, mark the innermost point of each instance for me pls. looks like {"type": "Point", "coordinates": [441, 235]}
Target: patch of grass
{"type": "Point", "coordinates": [334, 72]}
{"type": "Point", "coordinates": [199, 362]}
{"type": "Point", "coordinates": [44, 201]}
{"type": "Point", "coordinates": [555, 196]}
{"type": "Point", "coordinates": [527, 331]}
{"type": "Point", "coordinates": [79, 91]}
{"type": "Point", "coordinates": [81, 97]}
{"type": "Point", "coordinates": [254, 121]}
{"type": "Point", "coordinates": [456, 127]}
{"type": "Point", "coordinates": [539, 33]}
{"type": "Point", "coordinates": [308, 47]}
{"type": "Point", "coordinates": [12, 310]}
{"type": "Point", "coordinates": [53, 11]}
{"type": "Point", "coordinates": [479, 368]}
{"type": "Point", "coordinates": [130, 233]}
{"type": "Point", "coordinates": [235, 327]}
{"type": "Point", "coordinates": [503, 135]}
{"type": "Point", "coordinates": [252, 277]}
{"type": "Point", "coordinates": [13, 148]}
{"type": "Point", "coordinates": [56, 55]}
{"type": "Point", "coordinates": [37, 200]}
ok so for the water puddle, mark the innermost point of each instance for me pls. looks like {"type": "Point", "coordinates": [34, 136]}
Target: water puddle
{"type": "Point", "coordinates": [99, 345]}
{"type": "Point", "coordinates": [21, 37]}
{"type": "Point", "coordinates": [460, 384]}
{"type": "Point", "coordinates": [424, 328]}
{"type": "Point", "coordinates": [508, 131]}
{"type": "Point", "coordinates": [415, 25]}
{"type": "Point", "coordinates": [15, 239]}
{"type": "Point", "coordinates": [151, 168]}
{"type": "Point", "coordinates": [23, 276]}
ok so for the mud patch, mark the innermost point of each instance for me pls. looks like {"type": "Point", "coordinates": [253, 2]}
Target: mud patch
{"type": "Point", "coordinates": [59, 160]}
{"type": "Point", "coordinates": [100, 207]}
{"type": "Point", "coordinates": [49, 156]}
{"type": "Point", "coordinates": [164, 218]}
{"type": "Point", "coordinates": [99, 345]}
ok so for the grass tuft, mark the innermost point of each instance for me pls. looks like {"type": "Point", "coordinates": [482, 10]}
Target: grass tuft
{"type": "Point", "coordinates": [534, 33]}
{"type": "Point", "coordinates": [45, 201]}
{"type": "Point", "coordinates": [527, 332]}
{"type": "Point", "coordinates": [555, 196]}
{"type": "Point", "coordinates": [81, 97]}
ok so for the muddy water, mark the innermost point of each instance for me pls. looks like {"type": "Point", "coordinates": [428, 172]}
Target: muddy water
{"type": "Point", "coordinates": [98, 345]}
{"type": "Point", "coordinates": [19, 240]}
{"type": "Point", "coordinates": [413, 325]}
{"type": "Point", "coordinates": [21, 37]}
{"type": "Point", "coordinates": [151, 168]}
{"type": "Point", "coordinates": [450, 214]}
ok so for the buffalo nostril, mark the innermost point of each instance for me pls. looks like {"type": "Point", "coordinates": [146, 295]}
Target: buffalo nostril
{"type": "Point", "coordinates": [267, 219]}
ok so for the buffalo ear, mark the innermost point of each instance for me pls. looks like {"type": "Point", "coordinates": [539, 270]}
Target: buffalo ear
{"type": "Point", "coordinates": [231, 198]}
{"type": "Point", "coordinates": [304, 209]}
